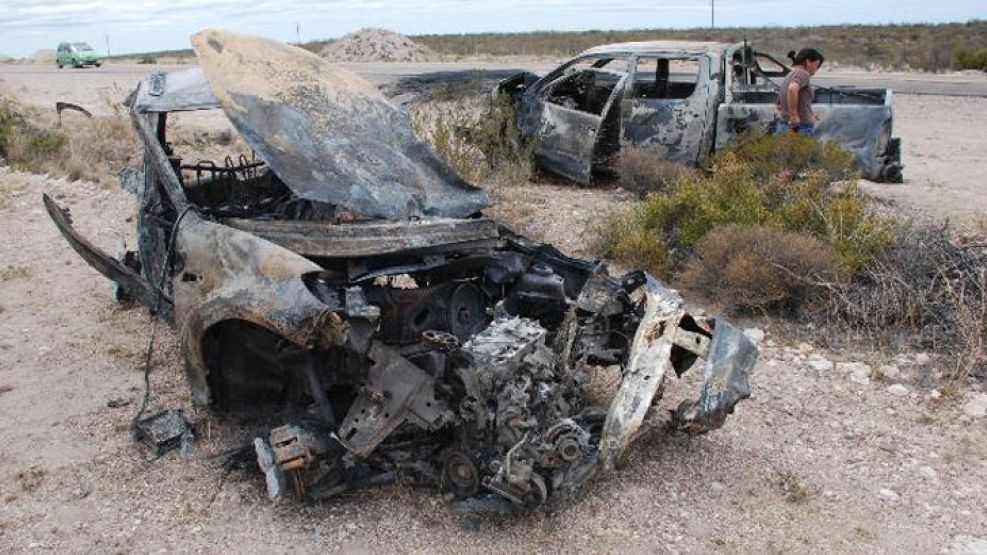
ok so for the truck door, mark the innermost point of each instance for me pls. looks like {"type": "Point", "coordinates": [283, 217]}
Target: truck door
{"type": "Point", "coordinates": [568, 112]}
{"type": "Point", "coordinates": [670, 106]}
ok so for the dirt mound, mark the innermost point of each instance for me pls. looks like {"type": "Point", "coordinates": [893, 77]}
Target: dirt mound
{"type": "Point", "coordinates": [43, 56]}
{"type": "Point", "coordinates": [375, 45]}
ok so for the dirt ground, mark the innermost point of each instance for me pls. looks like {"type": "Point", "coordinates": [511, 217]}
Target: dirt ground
{"type": "Point", "coordinates": [835, 452]}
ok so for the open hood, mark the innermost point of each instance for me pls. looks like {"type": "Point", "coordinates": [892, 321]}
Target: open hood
{"type": "Point", "coordinates": [327, 133]}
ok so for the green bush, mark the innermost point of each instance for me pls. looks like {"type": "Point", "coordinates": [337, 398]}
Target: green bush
{"type": "Point", "coordinates": [970, 58]}
{"type": "Point", "coordinates": [782, 182]}
{"type": "Point", "coordinates": [26, 146]}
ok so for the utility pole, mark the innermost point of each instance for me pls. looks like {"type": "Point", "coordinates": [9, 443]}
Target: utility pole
{"type": "Point", "coordinates": [712, 14]}
{"type": "Point", "coordinates": [298, 33]}
{"type": "Point", "coordinates": [107, 46]}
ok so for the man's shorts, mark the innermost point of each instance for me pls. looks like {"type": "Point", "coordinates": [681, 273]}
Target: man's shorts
{"type": "Point", "coordinates": [804, 129]}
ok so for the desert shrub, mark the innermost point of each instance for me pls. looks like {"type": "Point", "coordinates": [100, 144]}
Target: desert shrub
{"type": "Point", "coordinates": [760, 268]}
{"type": "Point", "coordinates": [644, 170]}
{"type": "Point", "coordinates": [770, 155]}
{"type": "Point", "coordinates": [748, 185]}
{"type": "Point", "coordinates": [970, 58]}
{"type": "Point", "coordinates": [24, 145]}
{"type": "Point", "coordinates": [479, 138]}
{"type": "Point", "coordinates": [96, 148]}
{"type": "Point", "coordinates": [926, 285]}
{"type": "Point", "coordinates": [147, 60]}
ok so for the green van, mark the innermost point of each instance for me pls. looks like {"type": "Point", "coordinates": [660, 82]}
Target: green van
{"type": "Point", "coordinates": [76, 54]}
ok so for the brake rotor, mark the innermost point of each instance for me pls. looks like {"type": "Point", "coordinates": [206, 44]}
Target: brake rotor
{"type": "Point", "coordinates": [459, 474]}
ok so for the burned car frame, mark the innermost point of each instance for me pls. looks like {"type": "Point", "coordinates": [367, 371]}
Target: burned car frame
{"type": "Point", "coordinates": [683, 101]}
{"type": "Point", "coordinates": [345, 286]}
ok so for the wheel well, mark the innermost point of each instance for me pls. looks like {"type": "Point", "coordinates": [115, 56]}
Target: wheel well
{"type": "Point", "coordinates": [249, 366]}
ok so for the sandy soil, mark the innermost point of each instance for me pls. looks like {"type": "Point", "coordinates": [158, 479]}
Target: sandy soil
{"type": "Point", "coordinates": [814, 462]}
{"type": "Point", "coordinates": [826, 457]}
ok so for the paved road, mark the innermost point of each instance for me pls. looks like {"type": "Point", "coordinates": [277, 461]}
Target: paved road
{"type": "Point", "coordinates": [43, 85]}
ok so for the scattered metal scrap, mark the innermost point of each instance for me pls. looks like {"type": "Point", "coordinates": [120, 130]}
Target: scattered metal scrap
{"type": "Point", "coordinates": [346, 284]}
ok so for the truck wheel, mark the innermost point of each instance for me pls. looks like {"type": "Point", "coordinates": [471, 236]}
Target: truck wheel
{"type": "Point", "coordinates": [60, 66]}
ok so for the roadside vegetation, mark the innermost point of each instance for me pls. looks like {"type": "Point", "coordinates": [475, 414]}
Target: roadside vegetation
{"type": "Point", "coordinates": [476, 135]}
{"type": "Point", "coordinates": [917, 46]}
{"type": "Point", "coordinates": [95, 149]}
{"type": "Point", "coordinates": [777, 225]}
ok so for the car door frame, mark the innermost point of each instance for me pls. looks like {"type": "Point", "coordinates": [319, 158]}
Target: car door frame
{"type": "Point", "coordinates": [680, 130]}
{"type": "Point", "coordinates": [566, 139]}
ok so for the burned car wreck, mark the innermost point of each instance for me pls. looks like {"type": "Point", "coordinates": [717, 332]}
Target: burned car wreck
{"type": "Point", "coordinates": [345, 284]}
{"type": "Point", "coordinates": [682, 100]}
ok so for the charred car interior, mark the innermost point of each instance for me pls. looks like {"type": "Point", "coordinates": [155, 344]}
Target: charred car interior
{"type": "Point", "coordinates": [682, 100]}
{"type": "Point", "coordinates": [343, 283]}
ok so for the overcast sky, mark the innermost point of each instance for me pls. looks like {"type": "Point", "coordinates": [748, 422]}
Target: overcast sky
{"type": "Point", "coordinates": [149, 25]}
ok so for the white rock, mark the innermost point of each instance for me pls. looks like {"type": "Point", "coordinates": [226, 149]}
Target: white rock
{"type": "Point", "coordinates": [861, 375]}
{"type": "Point", "coordinates": [754, 334]}
{"type": "Point", "coordinates": [820, 364]}
{"type": "Point", "coordinates": [805, 348]}
{"type": "Point", "coordinates": [927, 472]}
{"type": "Point", "coordinates": [968, 545]}
{"type": "Point", "coordinates": [976, 406]}
{"type": "Point", "coordinates": [898, 390]}
{"type": "Point", "coordinates": [922, 359]}
{"type": "Point", "coordinates": [934, 394]}
{"type": "Point", "coordinates": [889, 371]}
{"type": "Point", "coordinates": [885, 493]}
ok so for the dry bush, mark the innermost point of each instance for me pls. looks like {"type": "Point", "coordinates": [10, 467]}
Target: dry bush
{"type": "Point", "coordinates": [760, 268]}
{"type": "Point", "coordinates": [95, 149]}
{"type": "Point", "coordinates": [927, 285]}
{"type": "Point", "coordinates": [476, 137]}
{"type": "Point", "coordinates": [642, 169]}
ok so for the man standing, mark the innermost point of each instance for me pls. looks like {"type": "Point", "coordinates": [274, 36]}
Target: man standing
{"type": "Point", "coordinates": [795, 96]}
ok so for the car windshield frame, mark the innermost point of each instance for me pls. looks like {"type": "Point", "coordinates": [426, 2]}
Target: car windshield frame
{"type": "Point", "coordinates": [82, 46]}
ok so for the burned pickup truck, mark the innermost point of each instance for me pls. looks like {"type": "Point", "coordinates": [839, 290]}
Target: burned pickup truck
{"type": "Point", "coordinates": [682, 100]}
{"type": "Point", "coordinates": [345, 286]}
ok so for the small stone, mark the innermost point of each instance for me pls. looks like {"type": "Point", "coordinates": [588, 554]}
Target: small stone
{"type": "Point", "coordinates": [885, 493]}
{"type": "Point", "coordinates": [820, 364]}
{"type": "Point", "coordinates": [898, 390]}
{"type": "Point", "coordinates": [922, 359]}
{"type": "Point", "coordinates": [717, 486]}
{"type": "Point", "coordinates": [889, 371]}
{"type": "Point", "coordinates": [805, 348]}
{"type": "Point", "coordinates": [927, 472]}
{"type": "Point", "coordinates": [976, 406]}
{"type": "Point", "coordinates": [861, 375]}
{"type": "Point", "coordinates": [754, 334]}
{"type": "Point", "coordinates": [968, 545]}
{"type": "Point", "coordinates": [934, 394]}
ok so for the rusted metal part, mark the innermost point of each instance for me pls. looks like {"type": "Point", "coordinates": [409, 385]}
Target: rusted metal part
{"type": "Point", "coordinates": [328, 134]}
{"type": "Point", "coordinates": [396, 391]}
{"type": "Point", "coordinates": [61, 106]}
{"type": "Point", "coordinates": [730, 361]}
{"type": "Point", "coordinates": [323, 239]}
{"type": "Point", "coordinates": [649, 361]}
{"type": "Point", "coordinates": [126, 278]}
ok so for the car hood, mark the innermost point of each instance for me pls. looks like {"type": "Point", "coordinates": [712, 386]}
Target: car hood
{"type": "Point", "coordinates": [327, 133]}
